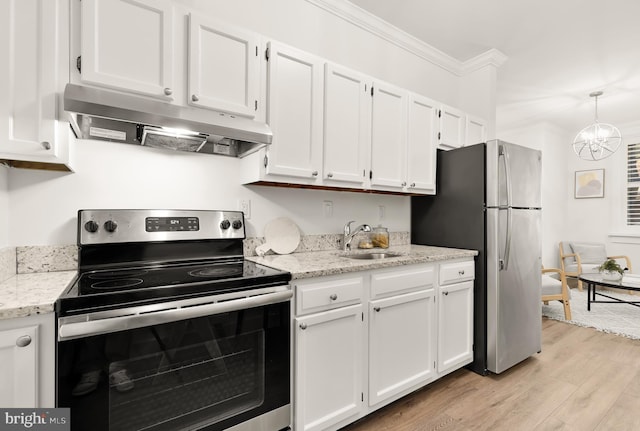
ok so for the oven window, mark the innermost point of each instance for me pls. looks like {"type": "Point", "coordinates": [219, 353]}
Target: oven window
{"type": "Point", "coordinates": [209, 372]}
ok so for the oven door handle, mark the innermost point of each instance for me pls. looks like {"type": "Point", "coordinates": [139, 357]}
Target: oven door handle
{"type": "Point", "coordinates": [90, 324]}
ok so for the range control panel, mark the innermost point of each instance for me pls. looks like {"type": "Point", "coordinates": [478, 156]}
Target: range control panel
{"type": "Point", "coordinates": [117, 226]}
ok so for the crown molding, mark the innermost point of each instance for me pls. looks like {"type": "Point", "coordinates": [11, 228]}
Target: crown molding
{"type": "Point", "coordinates": [365, 20]}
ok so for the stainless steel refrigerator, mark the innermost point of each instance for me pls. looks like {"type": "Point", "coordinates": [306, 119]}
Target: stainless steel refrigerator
{"type": "Point", "coordinates": [488, 199]}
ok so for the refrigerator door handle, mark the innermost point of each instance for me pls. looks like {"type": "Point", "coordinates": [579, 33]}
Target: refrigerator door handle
{"type": "Point", "coordinates": [504, 262]}
{"type": "Point", "coordinates": [504, 154]}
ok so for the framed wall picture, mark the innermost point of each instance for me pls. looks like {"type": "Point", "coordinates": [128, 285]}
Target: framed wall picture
{"type": "Point", "coordinates": [589, 184]}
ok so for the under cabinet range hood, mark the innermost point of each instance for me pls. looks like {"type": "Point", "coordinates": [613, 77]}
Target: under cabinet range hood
{"type": "Point", "coordinates": [106, 115]}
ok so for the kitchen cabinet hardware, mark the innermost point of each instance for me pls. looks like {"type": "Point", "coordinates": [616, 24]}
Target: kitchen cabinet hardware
{"type": "Point", "coordinates": [314, 173]}
{"type": "Point", "coordinates": [168, 91]}
{"type": "Point", "coordinates": [79, 63]}
{"type": "Point", "coordinates": [329, 175]}
{"type": "Point", "coordinates": [404, 184]}
{"type": "Point", "coordinates": [461, 272]}
{"type": "Point", "coordinates": [194, 98]}
{"type": "Point", "coordinates": [303, 326]}
{"type": "Point", "coordinates": [46, 145]}
{"type": "Point", "coordinates": [412, 185]}
{"type": "Point", "coordinates": [445, 293]}
{"type": "Point", "coordinates": [333, 297]}
{"type": "Point", "coordinates": [376, 309]}
{"type": "Point", "coordinates": [23, 341]}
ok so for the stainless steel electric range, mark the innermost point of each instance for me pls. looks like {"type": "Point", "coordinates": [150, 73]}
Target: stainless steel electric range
{"type": "Point", "coordinates": [167, 327]}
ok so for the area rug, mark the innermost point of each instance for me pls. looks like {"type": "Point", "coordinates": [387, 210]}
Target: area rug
{"type": "Point", "coordinates": [619, 319]}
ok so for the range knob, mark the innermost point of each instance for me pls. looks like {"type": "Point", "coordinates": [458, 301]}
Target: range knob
{"type": "Point", "coordinates": [110, 226]}
{"type": "Point", "coordinates": [91, 226]}
{"type": "Point", "coordinates": [237, 224]}
{"type": "Point", "coordinates": [224, 224]}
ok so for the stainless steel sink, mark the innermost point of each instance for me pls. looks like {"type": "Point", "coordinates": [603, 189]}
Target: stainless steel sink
{"type": "Point", "coordinates": [375, 255]}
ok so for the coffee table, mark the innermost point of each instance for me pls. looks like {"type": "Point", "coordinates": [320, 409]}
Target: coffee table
{"type": "Point", "coordinates": [593, 280]}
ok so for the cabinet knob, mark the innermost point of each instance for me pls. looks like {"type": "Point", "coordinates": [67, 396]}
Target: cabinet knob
{"type": "Point", "coordinates": [303, 326]}
{"type": "Point", "coordinates": [46, 145]}
{"type": "Point", "coordinates": [376, 309]}
{"type": "Point", "coordinates": [314, 173]}
{"type": "Point", "coordinates": [23, 341]}
{"type": "Point", "coordinates": [461, 272]}
{"type": "Point", "coordinates": [404, 183]}
{"type": "Point", "coordinates": [333, 297]}
{"type": "Point", "coordinates": [168, 91]}
{"type": "Point", "coordinates": [445, 293]}
{"type": "Point", "coordinates": [412, 185]}
{"type": "Point", "coordinates": [330, 175]}
{"type": "Point", "coordinates": [194, 98]}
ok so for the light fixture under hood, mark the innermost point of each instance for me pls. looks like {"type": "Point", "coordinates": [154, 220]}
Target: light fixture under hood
{"type": "Point", "coordinates": [107, 115]}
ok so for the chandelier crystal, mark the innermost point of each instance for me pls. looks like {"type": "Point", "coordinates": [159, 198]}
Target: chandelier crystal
{"type": "Point", "coordinates": [598, 140]}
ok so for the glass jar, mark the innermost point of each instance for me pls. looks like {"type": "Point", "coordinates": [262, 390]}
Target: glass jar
{"type": "Point", "coordinates": [380, 237]}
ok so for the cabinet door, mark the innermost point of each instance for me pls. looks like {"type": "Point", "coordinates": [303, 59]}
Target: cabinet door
{"type": "Point", "coordinates": [421, 145]}
{"type": "Point", "coordinates": [455, 326]}
{"type": "Point", "coordinates": [294, 113]}
{"type": "Point", "coordinates": [19, 373]}
{"type": "Point", "coordinates": [224, 67]}
{"type": "Point", "coordinates": [347, 125]}
{"type": "Point", "coordinates": [452, 123]}
{"type": "Point", "coordinates": [476, 130]}
{"type": "Point", "coordinates": [401, 343]}
{"type": "Point", "coordinates": [328, 368]}
{"type": "Point", "coordinates": [33, 44]}
{"type": "Point", "coordinates": [128, 45]}
{"type": "Point", "coordinates": [388, 136]}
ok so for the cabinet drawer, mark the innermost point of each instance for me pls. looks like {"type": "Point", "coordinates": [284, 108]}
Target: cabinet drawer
{"type": "Point", "coordinates": [457, 271]}
{"type": "Point", "coordinates": [327, 294]}
{"type": "Point", "coordinates": [406, 279]}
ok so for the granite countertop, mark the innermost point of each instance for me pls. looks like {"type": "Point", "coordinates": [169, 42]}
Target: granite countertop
{"type": "Point", "coordinates": [329, 262]}
{"type": "Point", "coordinates": [36, 293]}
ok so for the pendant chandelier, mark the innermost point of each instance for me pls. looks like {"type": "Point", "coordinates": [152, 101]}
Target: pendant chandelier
{"type": "Point", "coordinates": [598, 140]}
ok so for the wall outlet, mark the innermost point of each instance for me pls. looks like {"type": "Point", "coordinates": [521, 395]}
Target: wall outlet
{"type": "Point", "coordinates": [244, 205]}
{"type": "Point", "coordinates": [327, 208]}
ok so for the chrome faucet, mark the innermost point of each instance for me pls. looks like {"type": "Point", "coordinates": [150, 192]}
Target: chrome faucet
{"type": "Point", "coordinates": [348, 235]}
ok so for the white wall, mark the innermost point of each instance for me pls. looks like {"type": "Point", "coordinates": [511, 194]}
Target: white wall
{"type": "Point", "coordinates": [4, 206]}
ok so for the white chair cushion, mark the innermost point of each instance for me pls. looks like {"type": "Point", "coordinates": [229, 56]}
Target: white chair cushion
{"type": "Point", "coordinates": [589, 252]}
{"type": "Point", "coordinates": [588, 268]}
{"type": "Point", "coordinates": [551, 286]}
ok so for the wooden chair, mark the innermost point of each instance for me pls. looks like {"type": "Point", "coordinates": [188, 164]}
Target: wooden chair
{"type": "Point", "coordinates": [585, 258]}
{"type": "Point", "coordinates": [556, 290]}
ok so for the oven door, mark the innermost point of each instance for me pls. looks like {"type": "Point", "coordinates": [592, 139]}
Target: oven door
{"type": "Point", "coordinates": [209, 363]}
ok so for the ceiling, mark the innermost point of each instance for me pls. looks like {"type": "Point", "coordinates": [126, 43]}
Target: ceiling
{"type": "Point", "coordinates": [558, 52]}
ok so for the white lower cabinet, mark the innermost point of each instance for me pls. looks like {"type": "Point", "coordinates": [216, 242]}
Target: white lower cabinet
{"type": "Point", "coordinates": [365, 339]}
{"type": "Point", "coordinates": [27, 355]}
{"type": "Point", "coordinates": [401, 343]}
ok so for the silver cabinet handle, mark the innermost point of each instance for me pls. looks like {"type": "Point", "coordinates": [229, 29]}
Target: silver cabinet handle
{"type": "Point", "coordinates": [303, 326]}
{"type": "Point", "coordinates": [314, 173]}
{"type": "Point", "coordinates": [168, 91]}
{"type": "Point", "coordinates": [23, 341]}
{"type": "Point", "coordinates": [194, 98]}
{"type": "Point", "coordinates": [376, 309]}
{"type": "Point", "coordinates": [333, 297]}
{"type": "Point", "coordinates": [412, 185]}
{"type": "Point", "coordinates": [330, 175]}
{"type": "Point", "coordinates": [46, 145]}
{"type": "Point", "coordinates": [461, 272]}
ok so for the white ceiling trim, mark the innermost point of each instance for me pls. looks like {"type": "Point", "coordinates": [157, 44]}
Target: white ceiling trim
{"type": "Point", "coordinates": [491, 57]}
{"type": "Point", "coordinates": [376, 26]}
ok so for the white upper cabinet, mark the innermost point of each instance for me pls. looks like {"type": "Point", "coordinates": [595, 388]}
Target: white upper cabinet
{"type": "Point", "coordinates": [224, 67]}
{"type": "Point", "coordinates": [452, 128]}
{"type": "Point", "coordinates": [388, 136]}
{"type": "Point", "coordinates": [347, 126]}
{"type": "Point", "coordinates": [476, 130]}
{"type": "Point", "coordinates": [128, 45]}
{"type": "Point", "coordinates": [294, 113]}
{"type": "Point", "coordinates": [34, 47]}
{"type": "Point", "coordinates": [422, 141]}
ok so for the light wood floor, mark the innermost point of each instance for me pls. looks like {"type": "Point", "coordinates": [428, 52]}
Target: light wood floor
{"type": "Point", "coordinates": [583, 380]}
